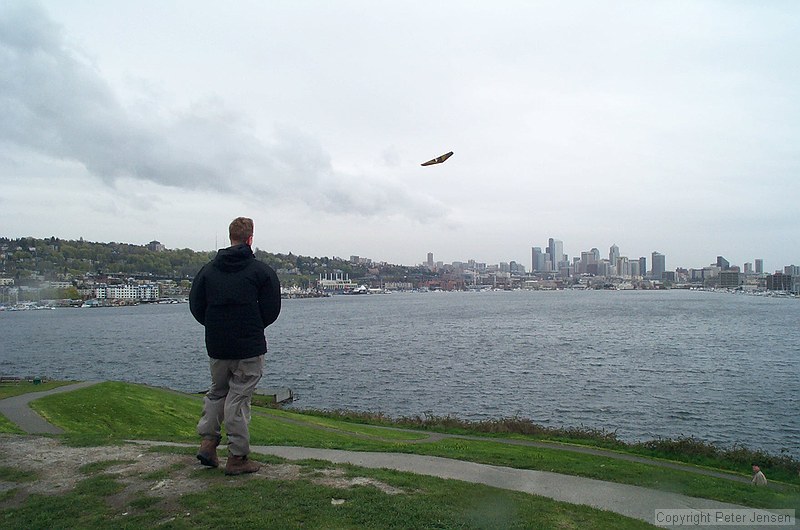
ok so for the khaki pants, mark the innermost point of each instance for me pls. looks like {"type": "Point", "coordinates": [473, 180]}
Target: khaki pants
{"type": "Point", "coordinates": [233, 382]}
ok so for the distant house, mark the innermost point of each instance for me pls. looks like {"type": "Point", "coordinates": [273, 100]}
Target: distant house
{"type": "Point", "coordinates": [155, 246]}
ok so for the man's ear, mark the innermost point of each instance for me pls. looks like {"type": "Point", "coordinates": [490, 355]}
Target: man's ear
{"type": "Point", "coordinates": [250, 241]}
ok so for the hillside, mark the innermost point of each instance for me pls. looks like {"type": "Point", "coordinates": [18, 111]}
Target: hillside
{"type": "Point", "coordinates": [30, 259]}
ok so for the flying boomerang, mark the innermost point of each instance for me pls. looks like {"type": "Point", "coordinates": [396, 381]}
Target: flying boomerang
{"type": "Point", "coordinates": [438, 159]}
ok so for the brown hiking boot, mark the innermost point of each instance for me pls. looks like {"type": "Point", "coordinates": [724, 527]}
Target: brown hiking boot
{"type": "Point", "coordinates": [207, 454]}
{"type": "Point", "coordinates": [239, 465]}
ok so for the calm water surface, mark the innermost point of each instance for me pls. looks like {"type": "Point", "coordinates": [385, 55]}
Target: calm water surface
{"type": "Point", "coordinates": [721, 367]}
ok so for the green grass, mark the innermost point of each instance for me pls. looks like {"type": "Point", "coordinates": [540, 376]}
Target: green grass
{"type": "Point", "coordinates": [18, 388]}
{"type": "Point", "coordinates": [83, 507]}
{"type": "Point", "coordinates": [354, 428]}
{"type": "Point", "coordinates": [24, 387]}
{"type": "Point", "coordinates": [247, 502]}
{"type": "Point", "coordinates": [110, 412]}
{"type": "Point", "coordinates": [688, 450]}
{"type": "Point", "coordinates": [427, 503]}
{"type": "Point", "coordinates": [122, 410]}
{"type": "Point", "coordinates": [7, 427]}
{"type": "Point", "coordinates": [12, 474]}
{"type": "Point", "coordinates": [148, 413]}
{"type": "Point", "coordinates": [607, 468]}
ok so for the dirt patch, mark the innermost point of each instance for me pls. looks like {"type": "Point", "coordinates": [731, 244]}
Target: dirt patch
{"type": "Point", "coordinates": [336, 478]}
{"type": "Point", "coordinates": [59, 468]}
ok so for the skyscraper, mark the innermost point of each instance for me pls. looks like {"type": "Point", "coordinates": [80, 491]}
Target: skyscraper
{"type": "Point", "coordinates": [430, 259]}
{"type": "Point", "coordinates": [642, 266]}
{"type": "Point", "coordinates": [759, 266]}
{"type": "Point", "coordinates": [659, 265]}
{"type": "Point", "coordinates": [613, 258]}
{"type": "Point", "coordinates": [613, 254]}
{"type": "Point", "coordinates": [556, 249]}
{"type": "Point", "coordinates": [537, 259]}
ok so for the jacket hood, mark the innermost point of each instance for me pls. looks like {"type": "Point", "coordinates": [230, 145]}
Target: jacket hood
{"type": "Point", "coordinates": [233, 259]}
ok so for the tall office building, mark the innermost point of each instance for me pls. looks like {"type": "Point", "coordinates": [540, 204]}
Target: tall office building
{"type": "Point", "coordinates": [643, 266]}
{"type": "Point", "coordinates": [759, 266]}
{"type": "Point", "coordinates": [430, 259]}
{"type": "Point", "coordinates": [613, 254]}
{"type": "Point", "coordinates": [537, 259]}
{"type": "Point", "coordinates": [659, 265]}
{"type": "Point", "coordinates": [723, 264]}
{"type": "Point", "coordinates": [623, 267]}
{"type": "Point", "coordinates": [587, 258]}
{"type": "Point", "coordinates": [613, 257]}
{"type": "Point", "coordinates": [556, 249]}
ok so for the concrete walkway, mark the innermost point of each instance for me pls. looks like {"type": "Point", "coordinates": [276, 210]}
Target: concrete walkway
{"type": "Point", "coordinates": [632, 501]}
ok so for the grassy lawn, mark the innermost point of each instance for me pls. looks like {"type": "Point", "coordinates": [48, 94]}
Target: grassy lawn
{"type": "Point", "coordinates": [8, 427]}
{"type": "Point", "coordinates": [112, 411]}
{"type": "Point", "coordinates": [23, 387]}
{"type": "Point", "coordinates": [100, 501]}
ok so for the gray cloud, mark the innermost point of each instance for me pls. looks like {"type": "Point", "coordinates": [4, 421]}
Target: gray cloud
{"type": "Point", "coordinates": [55, 102]}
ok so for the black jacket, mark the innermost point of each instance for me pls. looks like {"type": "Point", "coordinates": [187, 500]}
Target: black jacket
{"type": "Point", "coordinates": [235, 297]}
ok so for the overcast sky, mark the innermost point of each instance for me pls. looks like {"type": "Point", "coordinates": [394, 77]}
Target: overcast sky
{"type": "Point", "coordinates": [656, 126]}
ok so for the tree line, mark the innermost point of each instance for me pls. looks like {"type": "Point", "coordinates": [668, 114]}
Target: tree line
{"type": "Point", "coordinates": [60, 259]}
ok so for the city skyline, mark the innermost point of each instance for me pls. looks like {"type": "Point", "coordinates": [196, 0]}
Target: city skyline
{"type": "Point", "coordinates": [756, 264]}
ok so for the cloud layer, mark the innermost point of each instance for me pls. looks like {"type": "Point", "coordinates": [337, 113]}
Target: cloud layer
{"type": "Point", "coordinates": [54, 101]}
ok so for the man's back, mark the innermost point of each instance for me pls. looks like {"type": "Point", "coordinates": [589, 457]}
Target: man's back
{"type": "Point", "coordinates": [235, 297]}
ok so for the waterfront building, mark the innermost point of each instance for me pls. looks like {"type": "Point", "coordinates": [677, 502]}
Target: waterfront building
{"type": "Point", "coordinates": [430, 260]}
{"type": "Point", "coordinates": [759, 266]}
{"type": "Point", "coordinates": [792, 270]}
{"type": "Point", "coordinates": [748, 268]}
{"type": "Point", "coordinates": [729, 279]}
{"type": "Point", "coordinates": [781, 282]}
{"type": "Point", "coordinates": [635, 271]}
{"type": "Point", "coordinates": [643, 266]}
{"type": "Point", "coordinates": [722, 263]}
{"type": "Point", "coordinates": [146, 292]}
{"type": "Point", "coordinates": [336, 281]}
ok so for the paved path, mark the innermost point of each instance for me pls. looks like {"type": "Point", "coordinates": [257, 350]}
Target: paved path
{"type": "Point", "coordinates": [17, 410]}
{"type": "Point", "coordinates": [632, 501]}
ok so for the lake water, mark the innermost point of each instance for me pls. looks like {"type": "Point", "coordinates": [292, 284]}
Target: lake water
{"type": "Point", "coordinates": [724, 368]}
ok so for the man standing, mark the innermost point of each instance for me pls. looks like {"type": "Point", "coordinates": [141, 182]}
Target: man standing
{"type": "Point", "coordinates": [235, 297]}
